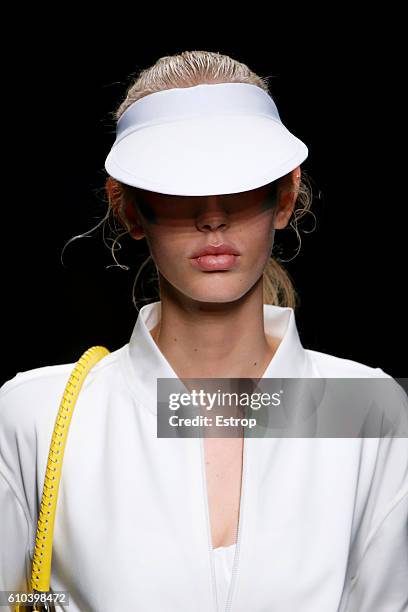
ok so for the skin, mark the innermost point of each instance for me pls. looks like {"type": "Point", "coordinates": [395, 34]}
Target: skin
{"type": "Point", "coordinates": [202, 311]}
{"type": "Point", "coordinates": [212, 322]}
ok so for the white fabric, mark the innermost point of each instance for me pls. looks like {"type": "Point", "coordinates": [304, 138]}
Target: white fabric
{"type": "Point", "coordinates": [323, 522]}
{"type": "Point", "coordinates": [203, 140]}
{"type": "Point", "coordinates": [223, 561]}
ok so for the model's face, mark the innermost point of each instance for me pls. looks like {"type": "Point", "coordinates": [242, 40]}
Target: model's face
{"type": "Point", "coordinates": [177, 226]}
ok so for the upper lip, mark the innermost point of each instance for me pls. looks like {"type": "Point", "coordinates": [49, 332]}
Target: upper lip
{"type": "Point", "coordinates": [211, 249]}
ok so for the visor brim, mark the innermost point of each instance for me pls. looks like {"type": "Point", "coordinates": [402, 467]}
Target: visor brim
{"type": "Point", "coordinates": [206, 155]}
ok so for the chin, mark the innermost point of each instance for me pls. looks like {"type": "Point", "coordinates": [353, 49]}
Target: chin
{"type": "Point", "coordinates": [221, 295]}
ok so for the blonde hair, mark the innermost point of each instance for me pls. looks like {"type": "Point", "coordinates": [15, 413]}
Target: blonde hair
{"type": "Point", "coordinates": [187, 69]}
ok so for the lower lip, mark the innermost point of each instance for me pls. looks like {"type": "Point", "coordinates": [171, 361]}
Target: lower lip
{"type": "Point", "coordinates": [215, 262]}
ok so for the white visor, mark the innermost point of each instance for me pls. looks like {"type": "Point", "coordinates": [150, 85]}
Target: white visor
{"type": "Point", "coordinates": [204, 140]}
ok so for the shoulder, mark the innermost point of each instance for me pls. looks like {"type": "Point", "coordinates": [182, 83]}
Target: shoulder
{"type": "Point", "coordinates": [29, 404]}
{"type": "Point", "coordinates": [332, 366]}
{"type": "Point", "coordinates": [35, 394]}
{"type": "Point", "coordinates": [385, 396]}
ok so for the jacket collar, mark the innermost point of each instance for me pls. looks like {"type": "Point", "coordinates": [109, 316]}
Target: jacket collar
{"type": "Point", "coordinates": [143, 361]}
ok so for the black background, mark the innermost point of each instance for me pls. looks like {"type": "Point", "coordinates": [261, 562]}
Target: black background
{"type": "Point", "coordinates": [337, 88]}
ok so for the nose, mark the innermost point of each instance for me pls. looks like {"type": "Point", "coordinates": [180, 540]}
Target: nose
{"type": "Point", "coordinates": [212, 215]}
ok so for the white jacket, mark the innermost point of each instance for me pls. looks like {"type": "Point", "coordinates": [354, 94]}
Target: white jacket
{"type": "Point", "coordinates": [323, 522]}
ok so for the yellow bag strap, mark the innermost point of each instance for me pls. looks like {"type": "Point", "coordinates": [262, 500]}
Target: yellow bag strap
{"type": "Point", "coordinates": [41, 566]}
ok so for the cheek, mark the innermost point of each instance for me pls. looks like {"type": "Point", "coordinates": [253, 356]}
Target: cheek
{"type": "Point", "coordinates": [256, 234]}
{"type": "Point", "coordinates": [146, 212]}
{"type": "Point", "coordinates": [164, 248]}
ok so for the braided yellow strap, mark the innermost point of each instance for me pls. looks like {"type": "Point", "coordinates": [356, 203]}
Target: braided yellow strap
{"type": "Point", "coordinates": [41, 567]}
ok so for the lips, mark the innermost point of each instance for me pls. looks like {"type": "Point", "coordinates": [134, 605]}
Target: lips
{"type": "Point", "coordinates": [212, 258]}
{"type": "Point", "coordinates": [214, 263]}
{"type": "Point", "coordinates": [225, 248]}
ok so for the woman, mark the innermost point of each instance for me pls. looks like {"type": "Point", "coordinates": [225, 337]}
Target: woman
{"type": "Point", "coordinates": [204, 170]}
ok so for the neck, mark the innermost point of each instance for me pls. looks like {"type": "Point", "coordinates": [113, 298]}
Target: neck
{"type": "Point", "coordinates": [215, 340]}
